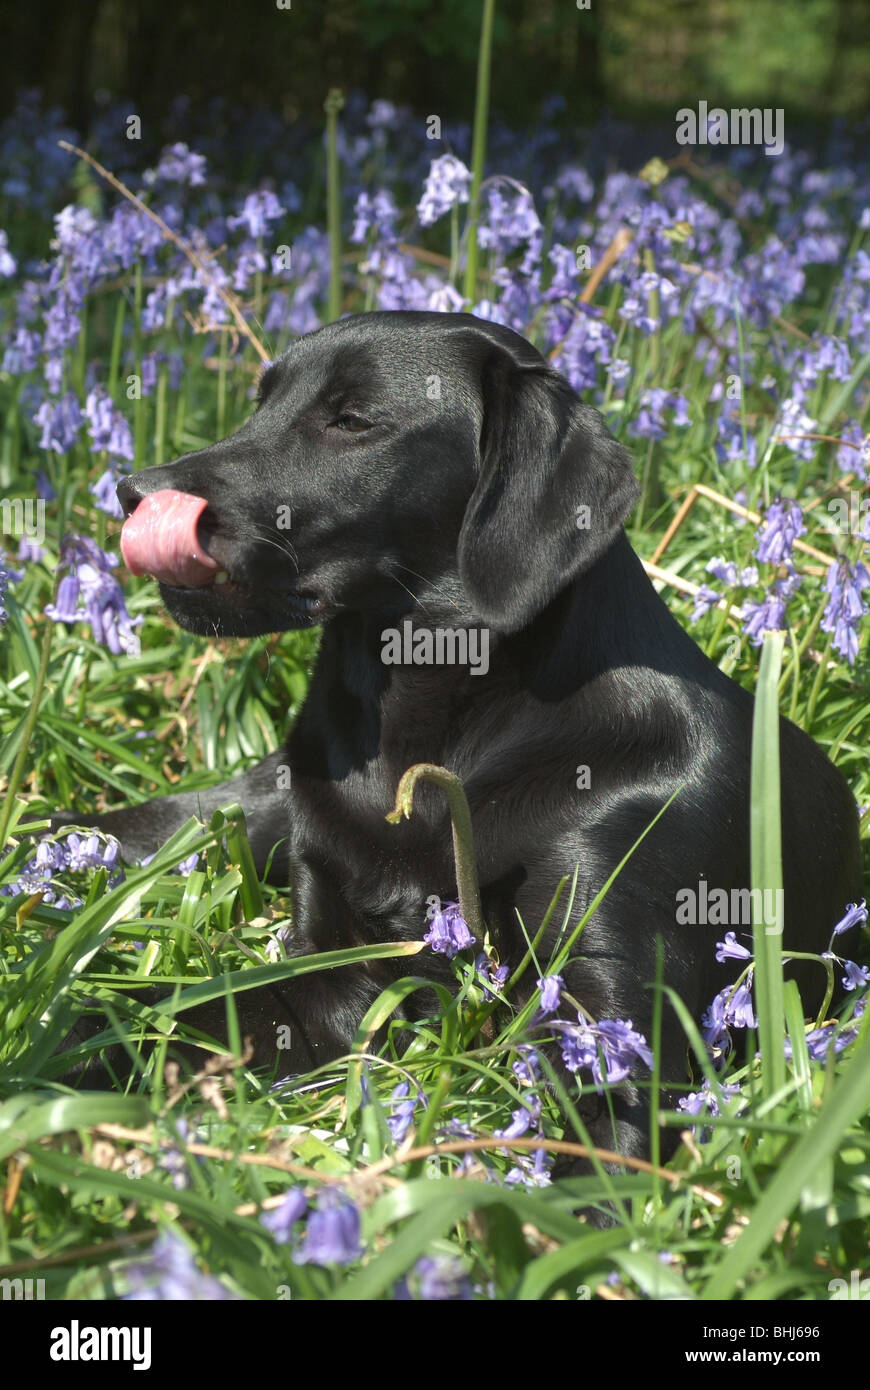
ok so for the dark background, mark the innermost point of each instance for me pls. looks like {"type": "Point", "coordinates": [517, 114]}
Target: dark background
{"type": "Point", "coordinates": [627, 56]}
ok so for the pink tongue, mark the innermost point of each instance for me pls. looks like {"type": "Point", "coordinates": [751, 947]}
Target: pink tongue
{"type": "Point", "coordinates": [160, 539]}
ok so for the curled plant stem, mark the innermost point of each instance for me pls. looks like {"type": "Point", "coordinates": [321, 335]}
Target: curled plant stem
{"type": "Point", "coordinates": [463, 837]}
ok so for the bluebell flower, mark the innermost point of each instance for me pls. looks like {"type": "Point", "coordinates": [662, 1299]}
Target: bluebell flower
{"type": "Point", "coordinates": [442, 1279]}
{"type": "Point", "coordinates": [90, 593]}
{"type": "Point", "coordinates": [332, 1236]}
{"type": "Point", "coordinates": [855, 913]}
{"type": "Point", "coordinates": [731, 949]}
{"type": "Point", "coordinates": [281, 1221]}
{"type": "Point", "coordinates": [731, 1008]}
{"type": "Point", "coordinates": [583, 1045]}
{"type": "Point", "coordinates": [705, 1101]}
{"type": "Point", "coordinates": [448, 183]}
{"type": "Point", "coordinates": [375, 213]}
{"type": "Point", "coordinates": [60, 423]}
{"type": "Point", "coordinates": [448, 932]}
{"type": "Point", "coordinates": [527, 1068]}
{"type": "Point", "coordinates": [855, 976]}
{"type": "Point", "coordinates": [768, 614]}
{"type": "Point", "coordinates": [493, 977]}
{"type": "Point", "coordinates": [4, 589]}
{"type": "Point", "coordinates": [783, 523]}
{"type": "Point", "coordinates": [22, 352]}
{"type": "Point", "coordinates": [830, 1037]}
{"type": "Point", "coordinates": [107, 427]}
{"type": "Point", "coordinates": [551, 987]}
{"type": "Point", "coordinates": [404, 1105]}
{"type": "Point", "coordinates": [258, 210]}
{"type": "Point", "coordinates": [705, 599]}
{"type": "Point", "coordinates": [178, 164]}
{"type": "Point", "coordinates": [105, 493]}
{"type": "Point", "coordinates": [531, 1170]}
{"type": "Point", "coordinates": [170, 1274]}
{"type": "Point", "coordinates": [508, 216]}
{"type": "Point", "coordinates": [650, 422]}
{"type": "Point", "coordinates": [845, 607]}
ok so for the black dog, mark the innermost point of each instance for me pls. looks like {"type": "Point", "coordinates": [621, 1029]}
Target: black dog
{"type": "Point", "coordinates": [435, 469]}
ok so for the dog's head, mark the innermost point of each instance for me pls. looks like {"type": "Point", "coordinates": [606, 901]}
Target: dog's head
{"type": "Point", "coordinates": [393, 459]}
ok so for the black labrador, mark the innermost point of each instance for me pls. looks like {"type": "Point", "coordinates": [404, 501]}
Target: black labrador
{"type": "Point", "coordinates": [433, 470]}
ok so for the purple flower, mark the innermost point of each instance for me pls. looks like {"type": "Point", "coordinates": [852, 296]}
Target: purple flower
{"type": "Point", "coordinates": [855, 976]}
{"type": "Point", "coordinates": [855, 913]}
{"type": "Point", "coordinates": [531, 1170]}
{"type": "Point", "coordinates": [60, 423]}
{"type": "Point", "coordinates": [171, 1274]}
{"type": "Point", "coordinates": [521, 1120]}
{"type": "Point", "coordinates": [83, 854]}
{"type": "Point", "coordinates": [507, 221]}
{"type": "Point", "coordinates": [105, 493]}
{"type": "Point", "coordinates": [22, 352]}
{"type": "Point", "coordinates": [783, 523]}
{"type": "Point", "coordinates": [107, 427]}
{"type": "Point", "coordinates": [820, 1041]}
{"type": "Point", "coordinates": [704, 1101]}
{"type": "Point", "coordinates": [731, 949]}
{"type": "Point", "coordinates": [5, 576]}
{"type": "Point", "coordinates": [447, 184]}
{"type": "Point", "coordinates": [281, 1221]}
{"type": "Point", "coordinates": [705, 599]}
{"type": "Point", "coordinates": [259, 210]}
{"type": "Point", "coordinates": [180, 165]}
{"type": "Point", "coordinates": [731, 1008]}
{"type": "Point", "coordinates": [376, 213]}
{"type": "Point", "coordinates": [650, 422]}
{"type": "Point", "coordinates": [332, 1233]}
{"type": "Point", "coordinates": [448, 932]}
{"type": "Point", "coordinates": [612, 1043]}
{"type": "Point", "coordinates": [845, 607]}
{"type": "Point", "coordinates": [58, 856]}
{"type": "Point", "coordinates": [442, 1279]}
{"type": "Point", "coordinates": [403, 1112]}
{"type": "Point", "coordinates": [527, 1067]}
{"type": "Point", "coordinates": [574, 180]}
{"type": "Point", "coordinates": [585, 348]}
{"type": "Point", "coordinates": [90, 580]}
{"type": "Point", "coordinates": [551, 987]}
{"type": "Point", "coordinates": [768, 614]}
{"type": "Point", "coordinates": [491, 976]}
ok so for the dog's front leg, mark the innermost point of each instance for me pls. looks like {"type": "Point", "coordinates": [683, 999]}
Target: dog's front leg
{"type": "Point", "coordinates": [141, 830]}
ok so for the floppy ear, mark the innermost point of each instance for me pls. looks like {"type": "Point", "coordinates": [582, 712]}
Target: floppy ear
{"type": "Point", "coordinates": [554, 491]}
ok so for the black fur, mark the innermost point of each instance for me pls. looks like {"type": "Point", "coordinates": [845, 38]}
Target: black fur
{"type": "Point", "coordinates": [435, 465]}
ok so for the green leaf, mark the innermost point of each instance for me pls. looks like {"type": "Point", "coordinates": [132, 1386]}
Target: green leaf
{"type": "Point", "coordinates": [767, 866]}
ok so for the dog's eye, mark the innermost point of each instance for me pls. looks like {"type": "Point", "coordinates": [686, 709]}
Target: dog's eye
{"type": "Point", "coordinates": [353, 424]}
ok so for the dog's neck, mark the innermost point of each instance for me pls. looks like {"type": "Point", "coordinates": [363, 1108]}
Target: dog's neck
{"type": "Point", "coordinates": [589, 631]}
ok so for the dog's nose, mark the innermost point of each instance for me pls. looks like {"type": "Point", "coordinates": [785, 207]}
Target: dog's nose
{"type": "Point", "coordinates": [130, 494]}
